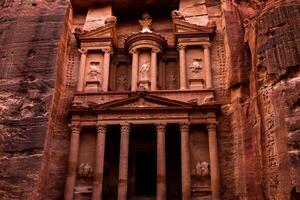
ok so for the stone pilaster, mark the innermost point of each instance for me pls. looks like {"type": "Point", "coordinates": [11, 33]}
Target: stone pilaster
{"type": "Point", "coordinates": [154, 68]}
{"type": "Point", "coordinates": [99, 163]}
{"type": "Point", "coordinates": [207, 65]}
{"type": "Point", "coordinates": [134, 70]}
{"type": "Point", "coordinates": [80, 83]}
{"type": "Point", "coordinates": [161, 162]}
{"type": "Point", "coordinates": [123, 164]}
{"type": "Point", "coordinates": [214, 163]}
{"type": "Point", "coordinates": [185, 161]}
{"type": "Point", "coordinates": [182, 66]}
{"type": "Point", "coordinates": [72, 162]}
{"type": "Point", "coordinates": [106, 65]}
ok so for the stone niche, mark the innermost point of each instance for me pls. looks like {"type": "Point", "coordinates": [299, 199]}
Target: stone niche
{"type": "Point", "coordinates": [195, 67]}
{"type": "Point", "coordinates": [168, 71]}
{"type": "Point", "coordinates": [144, 69]}
{"type": "Point", "coordinates": [200, 164]}
{"type": "Point", "coordinates": [93, 71]}
{"type": "Point", "coordinates": [120, 75]}
{"type": "Point", "coordinates": [85, 166]}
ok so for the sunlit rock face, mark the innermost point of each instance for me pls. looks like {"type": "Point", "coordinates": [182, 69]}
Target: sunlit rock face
{"type": "Point", "coordinates": [208, 88]}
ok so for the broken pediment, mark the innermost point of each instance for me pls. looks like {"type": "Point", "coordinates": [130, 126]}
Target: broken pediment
{"type": "Point", "coordinates": [182, 26]}
{"type": "Point", "coordinates": [142, 100]}
{"type": "Point", "coordinates": [107, 32]}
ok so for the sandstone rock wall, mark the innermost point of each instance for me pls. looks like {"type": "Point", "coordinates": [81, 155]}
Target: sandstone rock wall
{"type": "Point", "coordinates": [31, 53]}
{"type": "Point", "coordinates": [264, 105]}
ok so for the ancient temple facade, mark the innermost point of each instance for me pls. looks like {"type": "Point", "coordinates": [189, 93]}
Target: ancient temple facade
{"type": "Point", "coordinates": [143, 117]}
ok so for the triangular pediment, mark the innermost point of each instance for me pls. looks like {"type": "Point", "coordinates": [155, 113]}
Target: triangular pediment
{"type": "Point", "coordinates": [143, 100]}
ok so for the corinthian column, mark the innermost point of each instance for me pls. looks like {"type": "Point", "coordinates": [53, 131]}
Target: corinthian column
{"type": "Point", "coordinates": [106, 66]}
{"type": "Point", "coordinates": [72, 162]}
{"type": "Point", "coordinates": [182, 67]}
{"type": "Point", "coordinates": [134, 70]}
{"type": "Point", "coordinates": [81, 70]}
{"type": "Point", "coordinates": [185, 161]}
{"type": "Point", "coordinates": [161, 162]}
{"type": "Point", "coordinates": [99, 163]}
{"type": "Point", "coordinates": [207, 66]}
{"type": "Point", "coordinates": [154, 68]}
{"type": "Point", "coordinates": [214, 164]}
{"type": "Point", "coordinates": [123, 164]}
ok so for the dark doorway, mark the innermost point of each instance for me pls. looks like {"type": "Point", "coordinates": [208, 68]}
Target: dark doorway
{"type": "Point", "coordinates": [145, 179]}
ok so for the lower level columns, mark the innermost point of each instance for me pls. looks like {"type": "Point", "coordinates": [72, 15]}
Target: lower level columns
{"type": "Point", "coordinates": [161, 162]}
{"type": "Point", "coordinates": [185, 161]}
{"type": "Point", "coordinates": [123, 163]}
{"type": "Point", "coordinates": [72, 163]}
{"type": "Point", "coordinates": [214, 164]}
{"type": "Point", "coordinates": [99, 163]}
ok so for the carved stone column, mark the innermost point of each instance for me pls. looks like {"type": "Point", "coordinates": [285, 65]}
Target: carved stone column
{"type": "Point", "coordinates": [208, 74]}
{"type": "Point", "coordinates": [123, 164]}
{"type": "Point", "coordinates": [72, 162]}
{"type": "Point", "coordinates": [214, 163]}
{"type": "Point", "coordinates": [106, 66]}
{"type": "Point", "coordinates": [154, 68]}
{"type": "Point", "coordinates": [80, 82]}
{"type": "Point", "coordinates": [185, 161]}
{"type": "Point", "coordinates": [134, 70]}
{"type": "Point", "coordinates": [99, 163]}
{"type": "Point", "coordinates": [161, 162]}
{"type": "Point", "coordinates": [182, 66]}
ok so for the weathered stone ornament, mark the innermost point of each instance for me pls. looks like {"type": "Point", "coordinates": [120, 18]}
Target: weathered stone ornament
{"type": "Point", "coordinates": [146, 22]}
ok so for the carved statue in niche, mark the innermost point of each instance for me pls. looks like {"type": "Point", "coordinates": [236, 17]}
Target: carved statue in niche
{"type": "Point", "coordinates": [146, 22]}
{"type": "Point", "coordinates": [122, 82]}
{"type": "Point", "coordinates": [85, 170]}
{"type": "Point", "coordinates": [196, 67]}
{"type": "Point", "coordinates": [94, 71]}
{"type": "Point", "coordinates": [144, 71]}
{"type": "Point", "coordinates": [202, 169]}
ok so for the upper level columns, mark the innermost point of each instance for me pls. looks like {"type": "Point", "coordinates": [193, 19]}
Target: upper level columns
{"type": "Point", "coordinates": [182, 66]}
{"type": "Point", "coordinates": [214, 163]}
{"type": "Point", "coordinates": [72, 162]}
{"type": "Point", "coordinates": [80, 82]}
{"type": "Point", "coordinates": [154, 68]}
{"type": "Point", "coordinates": [185, 161]}
{"type": "Point", "coordinates": [106, 65]}
{"type": "Point", "coordinates": [134, 70]}
{"type": "Point", "coordinates": [207, 65]}
{"type": "Point", "coordinates": [99, 163]}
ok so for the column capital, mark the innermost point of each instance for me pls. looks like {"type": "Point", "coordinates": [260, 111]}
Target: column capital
{"type": "Point", "coordinates": [83, 51]}
{"type": "Point", "coordinates": [101, 128]}
{"type": "Point", "coordinates": [184, 127]}
{"type": "Point", "coordinates": [161, 127]}
{"type": "Point", "coordinates": [75, 127]}
{"type": "Point", "coordinates": [133, 51]}
{"type": "Point", "coordinates": [206, 45]}
{"type": "Point", "coordinates": [155, 50]}
{"type": "Point", "coordinates": [181, 47]}
{"type": "Point", "coordinates": [211, 126]}
{"type": "Point", "coordinates": [107, 50]}
{"type": "Point", "coordinates": [125, 128]}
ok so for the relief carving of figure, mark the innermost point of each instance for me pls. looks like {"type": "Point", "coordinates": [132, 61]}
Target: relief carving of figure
{"type": "Point", "coordinates": [94, 71]}
{"type": "Point", "coordinates": [196, 66]}
{"type": "Point", "coordinates": [144, 71]}
{"type": "Point", "coordinates": [85, 170]}
{"type": "Point", "coordinates": [202, 169]}
{"type": "Point", "coordinates": [122, 82]}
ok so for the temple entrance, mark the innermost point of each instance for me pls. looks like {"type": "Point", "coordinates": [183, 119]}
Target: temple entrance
{"type": "Point", "coordinates": [145, 173]}
{"type": "Point", "coordinates": [142, 162]}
